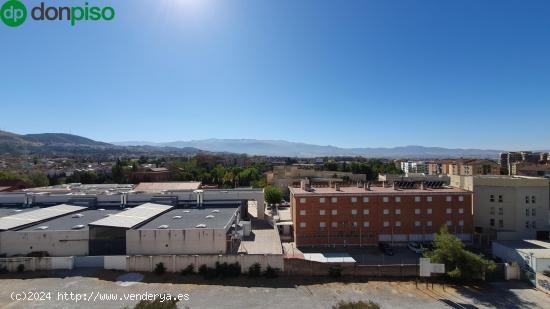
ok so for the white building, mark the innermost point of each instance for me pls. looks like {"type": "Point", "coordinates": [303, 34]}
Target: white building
{"type": "Point", "coordinates": [531, 254]}
{"type": "Point", "coordinates": [414, 167]}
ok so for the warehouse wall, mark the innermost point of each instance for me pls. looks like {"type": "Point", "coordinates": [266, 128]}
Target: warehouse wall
{"type": "Point", "coordinates": [56, 243]}
{"type": "Point", "coordinates": [175, 263]}
{"type": "Point", "coordinates": [159, 242]}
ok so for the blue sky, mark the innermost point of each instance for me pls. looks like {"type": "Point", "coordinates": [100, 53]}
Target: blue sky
{"type": "Point", "coordinates": [352, 73]}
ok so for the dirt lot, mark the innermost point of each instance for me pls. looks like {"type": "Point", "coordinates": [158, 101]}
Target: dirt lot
{"type": "Point", "coordinates": [248, 293]}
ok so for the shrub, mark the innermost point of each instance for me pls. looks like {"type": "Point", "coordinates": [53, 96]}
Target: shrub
{"type": "Point", "coordinates": [546, 272]}
{"type": "Point", "coordinates": [20, 268]}
{"type": "Point", "coordinates": [255, 270]}
{"type": "Point", "coordinates": [189, 270]}
{"type": "Point", "coordinates": [157, 304]}
{"type": "Point", "coordinates": [271, 272]}
{"type": "Point", "coordinates": [357, 305]}
{"type": "Point", "coordinates": [202, 270]}
{"type": "Point", "coordinates": [160, 269]}
{"type": "Point", "coordinates": [335, 271]}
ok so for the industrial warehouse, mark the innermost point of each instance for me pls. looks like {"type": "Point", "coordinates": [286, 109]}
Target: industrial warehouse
{"type": "Point", "coordinates": [121, 226]}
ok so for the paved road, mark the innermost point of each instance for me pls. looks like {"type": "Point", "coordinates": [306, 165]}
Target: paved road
{"type": "Point", "coordinates": [278, 293]}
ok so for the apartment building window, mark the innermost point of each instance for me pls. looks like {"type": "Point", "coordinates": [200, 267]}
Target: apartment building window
{"type": "Point", "coordinates": [526, 224]}
{"type": "Point", "coordinates": [366, 224]}
{"type": "Point", "coordinates": [354, 224]}
{"type": "Point", "coordinates": [533, 199]}
{"type": "Point", "coordinates": [449, 211]}
{"type": "Point", "coordinates": [429, 198]}
{"type": "Point", "coordinates": [449, 198]}
{"type": "Point", "coordinates": [398, 211]}
{"type": "Point", "coordinates": [386, 223]}
{"type": "Point", "coordinates": [533, 212]}
{"type": "Point", "coordinates": [527, 212]}
{"type": "Point", "coordinates": [302, 224]}
{"type": "Point", "coordinates": [321, 200]}
{"type": "Point", "coordinates": [386, 211]}
{"type": "Point", "coordinates": [365, 212]}
{"type": "Point", "coordinates": [526, 199]}
{"type": "Point", "coordinates": [449, 223]}
{"type": "Point", "coordinates": [429, 223]}
{"type": "Point", "coordinates": [461, 222]}
{"type": "Point", "coordinates": [500, 211]}
{"type": "Point", "coordinates": [365, 199]}
{"type": "Point", "coordinates": [417, 211]}
{"type": "Point", "coordinates": [417, 199]}
{"type": "Point", "coordinates": [429, 211]}
{"type": "Point", "coordinates": [386, 199]}
{"type": "Point", "coordinates": [461, 210]}
{"type": "Point", "coordinates": [492, 210]}
{"type": "Point", "coordinates": [302, 212]}
{"type": "Point", "coordinates": [302, 200]}
{"type": "Point", "coordinates": [492, 222]}
{"type": "Point", "coordinates": [500, 198]}
{"type": "Point", "coordinates": [354, 212]}
{"type": "Point", "coordinates": [334, 224]}
{"type": "Point", "coordinates": [398, 199]}
{"type": "Point", "coordinates": [397, 223]}
{"type": "Point", "coordinates": [417, 223]}
{"type": "Point", "coordinates": [334, 212]}
{"type": "Point", "coordinates": [354, 200]}
{"type": "Point", "coordinates": [500, 223]}
{"type": "Point", "coordinates": [321, 212]}
{"type": "Point", "coordinates": [534, 224]}
{"type": "Point", "coordinates": [461, 198]}
{"type": "Point", "coordinates": [334, 199]}
{"type": "Point", "coordinates": [491, 198]}
{"type": "Point", "coordinates": [322, 224]}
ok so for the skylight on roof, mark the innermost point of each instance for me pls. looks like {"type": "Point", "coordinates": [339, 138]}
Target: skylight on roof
{"type": "Point", "coordinates": [78, 227]}
{"type": "Point", "coordinates": [164, 226]}
{"type": "Point", "coordinates": [215, 210]}
{"type": "Point", "coordinates": [78, 215]}
{"type": "Point", "coordinates": [200, 226]}
{"type": "Point", "coordinates": [209, 217]}
{"type": "Point", "coordinates": [42, 227]}
{"type": "Point", "coordinates": [176, 217]}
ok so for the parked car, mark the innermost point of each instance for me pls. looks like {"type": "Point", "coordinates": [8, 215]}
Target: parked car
{"type": "Point", "coordinates": [385, 248]}
{"type": "Point", "coordinates": [416, 247]}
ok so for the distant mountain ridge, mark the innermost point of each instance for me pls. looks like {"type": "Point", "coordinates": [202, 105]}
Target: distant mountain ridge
{"type": "Point", "coordinates": [68, 144]}
{"type": "Point", "coordinates": [293, 149]}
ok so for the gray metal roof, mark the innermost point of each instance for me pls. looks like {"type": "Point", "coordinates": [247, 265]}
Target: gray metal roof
{"type": "Point", "coordinates": [133, 216]}
{"type": "Point", "coordinates": [35, 216]}
{"type": "Point", "coordinates": [219, 216]}
{"type": "Point", "coordinates": [13, 211]}
{"type": "Point", "coordinates": [71, 221]}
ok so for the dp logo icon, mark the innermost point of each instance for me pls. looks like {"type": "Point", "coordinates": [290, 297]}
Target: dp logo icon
{"type": "Point", "coordinates": [13, 13]}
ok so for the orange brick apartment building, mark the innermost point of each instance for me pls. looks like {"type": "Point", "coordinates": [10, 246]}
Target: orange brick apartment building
{"type": "Point", "coordinates": [366, 215]}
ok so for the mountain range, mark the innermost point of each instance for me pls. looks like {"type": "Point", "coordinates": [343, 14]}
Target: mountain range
{"type": "Point", "coordinates": [64, 144]}
{"type": "Point", "coordinates": [292, 149]}
{"type": "Point", "coordinates": [68, 144]}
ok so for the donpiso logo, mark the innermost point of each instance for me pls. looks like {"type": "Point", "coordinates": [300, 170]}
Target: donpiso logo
{"type": "Point", "coordinates": [14, 13]}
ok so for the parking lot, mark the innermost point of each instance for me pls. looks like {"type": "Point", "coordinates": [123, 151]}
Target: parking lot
{"type": "Point", "coordinates": [243, 292]}
{"type": "Point", "coordinates": [371, 255]}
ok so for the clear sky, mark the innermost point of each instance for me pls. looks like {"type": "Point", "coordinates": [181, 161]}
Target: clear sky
{"type": "Point", "coordinates": [354, 73]}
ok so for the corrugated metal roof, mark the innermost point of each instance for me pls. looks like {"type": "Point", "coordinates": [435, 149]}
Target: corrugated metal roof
{"type": "Point", "coordinates": [133, 216]}
{"type": "Point", "coordinates": [30, 217]}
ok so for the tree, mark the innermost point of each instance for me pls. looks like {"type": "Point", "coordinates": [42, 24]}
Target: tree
{"type": "Point", "coordinates": [460, 263]}
{"type": "Point", "coordinates": [272, 195]}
